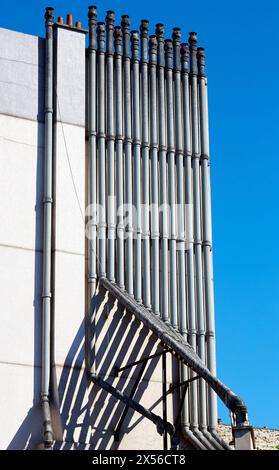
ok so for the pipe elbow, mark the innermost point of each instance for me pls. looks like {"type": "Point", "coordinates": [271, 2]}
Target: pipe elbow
{"type": "Point", "coordinates": [239, 408]}
{"type": "Point", "coordinates": [199, 435]}
{"type": "Point", "coordinates": [47, 425]}
{"type": "Point", "coordinates": [190, 436]}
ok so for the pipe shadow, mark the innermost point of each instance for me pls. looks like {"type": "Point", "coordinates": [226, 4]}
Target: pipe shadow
{"type": "Point", "coordinates": [89, 415]}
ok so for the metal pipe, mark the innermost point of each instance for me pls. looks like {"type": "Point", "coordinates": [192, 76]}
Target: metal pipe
{"type": "Point", "coordinates": [171, 179]}
{"type": "Point", "coordinates": [189, 202]}
{"type": "Point", "coordinates": [180, 243]}
{"type": "Point", "coordinates": [163, 174]}
{"type": "Point", "coordinates": [101, 142]}
{"type": "Point", "coordinates": [196, 153]}
{"type": "Point", "coordinates": [154, 175]}
{"type": "Point", "coordinates": [110, 138]}
{"type": "Point", "coordinates": [92, 132]}
{"type": "Point", "coordinates": [189, 238]}
{"type": "Point", "coordinates": [136, 162]}
{"type": "Point", "coordinates": [119, 155]}
{"type": "Point", "coordinates": [192, 333]}
{"type": "Point", "coordinates": [181, 231]}
{"type": "Point", "coordinates": [145, 163]}
{"type": "Point", "coordinates": [207, 236]}
{"type": "Point", "coordinates": [47, 204]}
{"type": "Point", "coordinates": [128, 153]}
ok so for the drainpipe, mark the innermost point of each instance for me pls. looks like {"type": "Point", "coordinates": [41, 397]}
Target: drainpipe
{"type": "Point", "coordinates": [47, 204]}
{"type": "Point", "coordinates": [136, 162]}
{"type": "Point", "coordinates": [145, 163]}
{"type": "Point", "coordinates": [101, 143]}
{"type": "Point", "coordinates": [110, 138]}
{"type": "Point", "coordinates": [125, 23]}
{"type": "Point", "coordinates": [196, 333]}
{"type": "Point", "coordinates": [180, 242]}
{"type": "Point", "coordinates": [171, 179]}
{"type": "Point", "coordinates": [163, 174]}
{"type": "Point", "coordinates": [178, 155]}
{"type": "Point", "coordinates": [154, 175]}
{"type": "Point", "coordinates": [207, 244]}
{"type": "Point", "coordinates": [118, 43]}
{"type": "Point", "coordinates": [92, 130]}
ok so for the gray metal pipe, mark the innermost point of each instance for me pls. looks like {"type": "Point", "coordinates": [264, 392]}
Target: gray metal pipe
{"type": "Point", "coordinates": [171, 180]}
{"type": "Point", "coordinates": [190, 280]}
{"type": "Point", "coordinates": [145, 164]}
{"type": "Point", "coordinates": [154, 175]}
{"type": "Point", "coordinates": [207, 235]}
{"type": "Point", "coordinates": [191, 306]}
{"type": "Point", "coordinates": [197, 329]}
{"type": "Point", "coordinates": [125, 23]}
{"type": "Point", "coordinates": [180, 244]}
{"type": "Point", "coordinates": [196, 151]}
{"type": "Point", "coordinates": [180, 215]}
{"type": "Point", "coordinates": [92, 132]}
{"type": "Point", "coordinates": [47, 205]}
{"type": "Point", "coordinates": [136, 162]}
{"type": "Point", "coordinates": [163, 174]}
{"type": "Point", "coordinates": [101, 142]}
{"type": "Point", "coordinates": [110, 138]}
{"type": "Point", "coordinates": [119, 155]}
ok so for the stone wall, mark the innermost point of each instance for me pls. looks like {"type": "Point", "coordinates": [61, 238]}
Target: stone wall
{"type": "Point", "coordinates": [266, 439]}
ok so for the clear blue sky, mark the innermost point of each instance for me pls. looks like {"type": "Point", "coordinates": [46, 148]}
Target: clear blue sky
{"type": "Point", "coordinates": [243, 69]}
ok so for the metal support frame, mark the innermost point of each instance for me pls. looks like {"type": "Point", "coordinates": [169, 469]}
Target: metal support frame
{"type": "Point", "coordinates": [143, 363]}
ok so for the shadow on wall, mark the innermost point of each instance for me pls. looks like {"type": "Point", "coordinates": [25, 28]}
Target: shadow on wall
{"type": "Point", "coordinates": [89, 415]}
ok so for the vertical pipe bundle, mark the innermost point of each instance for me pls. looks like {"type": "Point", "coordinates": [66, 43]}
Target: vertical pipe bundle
{"type": "Point", "coordinates": [163, 174]}
{"type": "Point", "coordinates": [110, 138]}
{"type": "Point", "coordinates": [149, 152]}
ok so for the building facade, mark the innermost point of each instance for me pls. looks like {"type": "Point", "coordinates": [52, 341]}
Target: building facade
{"type": "Point", "coordinates": [92, 122]}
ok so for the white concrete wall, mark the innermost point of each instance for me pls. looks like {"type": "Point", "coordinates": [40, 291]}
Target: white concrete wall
{"type": "Point", "coordinates": [21, 157]}
{"type": "Point", "coordinates": [88, 415]}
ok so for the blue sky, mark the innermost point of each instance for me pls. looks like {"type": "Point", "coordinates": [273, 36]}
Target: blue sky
{"type": "Point", "coordinates": [243, 69]}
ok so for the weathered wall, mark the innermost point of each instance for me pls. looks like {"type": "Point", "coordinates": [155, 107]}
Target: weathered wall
{"type": "Point", "coordinates": [266, 439]}
{"type": "Point", "coordinates": [88, 415]}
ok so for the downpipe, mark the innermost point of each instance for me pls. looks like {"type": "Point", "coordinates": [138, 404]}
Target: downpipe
{"type": "Point", "coordinates": [47, 204]}
{"type": "Point", "coordinates": [92, 244]}
{"type": "Point", "coordinates": [207, 246]}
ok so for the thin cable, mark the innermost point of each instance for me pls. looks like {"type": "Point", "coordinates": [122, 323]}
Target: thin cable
{"type": "Point", "coordinates": [71, 173]}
